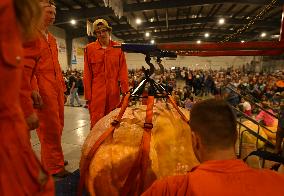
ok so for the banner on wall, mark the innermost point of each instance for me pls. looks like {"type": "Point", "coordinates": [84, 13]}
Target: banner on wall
{"type": "Point", "coordinates": [80, 57]}
{"type": "Point", "coordinates": [61, 47]}
{"type": "Point", "coordinates": [74, 57]}
{"type": "Point", "coordinates": [80, 51]}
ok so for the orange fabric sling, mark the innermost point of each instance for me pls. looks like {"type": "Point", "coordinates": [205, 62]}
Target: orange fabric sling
{"type": "Point", "coordinates": [138, 171]}
{"type": "Point", "coordinates": [86, 165]}
{"type": "Point", "coordinates": [172, 101]}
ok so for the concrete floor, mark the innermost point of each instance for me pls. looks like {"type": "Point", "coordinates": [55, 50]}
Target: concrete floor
{"type": "Point", "coordinates": [76, 129]}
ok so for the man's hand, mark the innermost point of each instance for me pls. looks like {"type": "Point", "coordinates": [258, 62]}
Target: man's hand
{"type": "Point", "coordinates": [38, 103]}
{"type": "Point", "coordinates": [65, 98]}
{"type": "Point", "coordinates": [32, 121]}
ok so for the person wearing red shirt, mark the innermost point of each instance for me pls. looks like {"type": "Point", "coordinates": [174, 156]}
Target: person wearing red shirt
{"type": "Point", "coordinates": [20, 171]}
{"type": "Point", "coordinates": [214, 134]}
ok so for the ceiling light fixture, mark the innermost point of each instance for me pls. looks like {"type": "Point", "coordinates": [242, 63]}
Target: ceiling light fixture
{"type": "Point", "coordinates": [198, 42]}
{"type": "Point", "coordinates": [138, 21]}
{"type": "Point", "coordinates": [73, 22]}
{"type": "Point", "coordinates": [206, 35]}
{"type": "Point", "coordinates": [147, 34]}
{"type": "Point", "coordinates": [263, 34]}
{"type": "Point", "coordinates": [221, 21]}
{"type": "Point", "coordinates": [152, 41]}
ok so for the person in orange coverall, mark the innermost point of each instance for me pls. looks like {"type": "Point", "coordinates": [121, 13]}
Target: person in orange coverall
{"type": "Point", "coordinates": [104, 67]}
{"type": "Point", "coordinates": [49, 86]}
{"type": "Point", "coordinates": [20, 170]}
{"type": "Point", "coordinates": [220, 172]}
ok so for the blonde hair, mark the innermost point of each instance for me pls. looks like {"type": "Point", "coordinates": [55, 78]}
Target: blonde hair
{"type": "Point", "coordinates": [28, 13]}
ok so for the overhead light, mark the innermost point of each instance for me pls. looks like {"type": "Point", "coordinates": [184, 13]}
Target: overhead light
{"type": "Point", "coordinates": [73, 22]}
{"type": "Point", "coordinates": [155, 30]}
{"type": "Point", "coordinates": [152, 19]}
{"type": "Point", "coordinates": [275, 36]}
{"type": "Point", "coordinates": [147, 34]}
{"type": "Point", "coordinates": [206, 35]}
{"type": "Point", "coordinates": [138, 21]}
{"type": "Point", "coordinates": [242, 41]}
{"type": "Point", "coordinates": [152, 41]}
{"type": "Point", "coordinates": [263, 34]}
{"type": "Point", "coordinates": [198, 41]}
{"type": "Point", "coordinates": [221, 21]}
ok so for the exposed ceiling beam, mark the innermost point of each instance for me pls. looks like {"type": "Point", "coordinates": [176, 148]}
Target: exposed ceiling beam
{"type": "Point", "coordinates": [177, 15]}
{"type": "Point", "coordinates": [145, 16]}
{"type": "Point", "coordinates": [200, 11]}
{"type": "Point", "coordinates": [61, 2]}
{"type": "Point", "coordinates": [231, 8]}
{"type": "Point", "coordinates": [240, 11]}
{"type": "Point", "coordinates": [156, 15]}
{"type": "Point", "coordinates": [143, 6]}
{"type": "Point", "coordinates": [81, 32]}
{"type": "Point", "coordinates": [83, 5]}
{"type": "Point", "coordinates": [211, 11]}
{"type": "Point", "coordinates": [188, 12]}
{"type": "Point", "coordinates": [190, 21]}
{"type": "Point", "coordinates": [253, 12]}
{"type": "Point", "coordinates": [205, 20]}
{"type": "Point", "coordinates": [217, 10]}
{"type": "Point", "coordinates": [212, 32]}
{"type": "Point", "coordinates": [184, 39]}
{"type": "Point", "coordinates": [81, 14]}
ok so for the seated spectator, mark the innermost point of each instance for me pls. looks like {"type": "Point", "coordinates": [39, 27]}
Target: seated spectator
{"type": "Point", "coordinates": [246, 107]}
{"type": "Point", "coordinates": [276, 98]}
{"type": "Point", "coordinates": [214, 134]}
{"type": "Point", "coordinates": [265, 118]}
{"type": "Point", "coordinates": [188, 103]}
{"type": "Point", "coordinates": [280, 128]}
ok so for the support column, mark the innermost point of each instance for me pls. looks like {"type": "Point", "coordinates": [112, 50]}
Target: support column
{"type": "Point", "coordinates": [69, 50]}
{"type": "Point", "coordinates": [281, 37]}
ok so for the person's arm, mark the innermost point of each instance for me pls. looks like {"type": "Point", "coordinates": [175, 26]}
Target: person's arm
{"type": "Point", "coordinates": [123, 74]}
{"type": "Point", "coordinates": [87, 77]}
{"type": "Point", "coordinates": [260, 116]}
{"type": "Point", "coordinates": [26, 92]}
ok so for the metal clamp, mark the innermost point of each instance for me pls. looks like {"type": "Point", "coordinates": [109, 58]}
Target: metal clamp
{"type": "Point", "coordinates": [114, 122]}
{"type": "Point", "coordinates": [148, 125]}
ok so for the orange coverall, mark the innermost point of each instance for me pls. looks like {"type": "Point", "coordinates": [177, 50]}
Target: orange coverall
{"type": "Point", "coordinates": [222, 178]}
{"type": "Point", "coordinates": [20, 170]}
{"type": "Point", "coordinates": [103, 68]}
{"type": "Point", "coordinates": [51, 87]}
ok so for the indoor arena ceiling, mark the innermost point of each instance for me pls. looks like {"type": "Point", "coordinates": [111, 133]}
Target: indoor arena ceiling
{"type": "Point", "coordinates": [177, 20]}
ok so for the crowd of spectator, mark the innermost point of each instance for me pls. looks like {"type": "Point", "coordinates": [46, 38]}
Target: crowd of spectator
{"type": "Point", "coordinates": [188, 86]}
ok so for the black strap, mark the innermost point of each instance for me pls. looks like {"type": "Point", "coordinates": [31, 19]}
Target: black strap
{"type": "Point", "coordinates": [266, 156]}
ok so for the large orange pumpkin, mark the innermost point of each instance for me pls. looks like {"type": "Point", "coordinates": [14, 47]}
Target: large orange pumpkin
{"type": "Point", "coordinates": [170, 149]}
